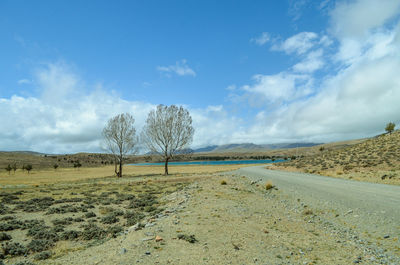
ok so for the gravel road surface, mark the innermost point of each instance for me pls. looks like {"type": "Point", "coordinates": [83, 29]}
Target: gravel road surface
{"type": "Point", "coordinates": [368, 212]}
{"type": "Point", "coordinates": [370, 197]}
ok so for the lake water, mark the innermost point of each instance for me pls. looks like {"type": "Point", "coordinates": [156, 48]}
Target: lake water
{"type": "Point", "coordinates": [219, 162]}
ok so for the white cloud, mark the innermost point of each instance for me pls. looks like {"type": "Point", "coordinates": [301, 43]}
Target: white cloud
{"type": "Point", "coordinates": [24, 82]}
{"type": "Point", "coordinates": [57, 81]}
{"type": "Point", "coordinates": [74, 122]}
{"type": "Point", "coordinates": [262, 39]}
{"type": "Point", "coordinates": [359, 96]}
{"type": "Point", "coordinates": [296, 8]}
{"type": "Point", "coordinates": [355, 19]}
{"type": "Point", "coordinates": [299, 43]}
{"type": "Point", "coordinates": [180, 68]}
{"type": "Point", "coordinates": [231, 87]}
{"type": "Point", "coordinates": [214, 126]}
{"type": "Point", "coordinates": [311, 63]}
{"type": "Point", "coordinates": [280, 87]}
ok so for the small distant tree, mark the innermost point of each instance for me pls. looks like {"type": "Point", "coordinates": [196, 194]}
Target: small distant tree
{"type": "Point", "coordinates": [390, 127]}
{"type": "Point", "coordinates": [120, 139]}
{"type": "Point", "coordinates": [28, 167]}
{"type": "Point", "coordinates": [168, 132]}
{"type": "Point", "coordinates": [55, 166]}
{"type": "Point", "coordinates": [14, 167]}
{"type": "Point", "coordinates": [8, 168]}
{"type": "Point", "coordinates": [77, 164]}
{"type": "Point", "coordinates": [321, 149]}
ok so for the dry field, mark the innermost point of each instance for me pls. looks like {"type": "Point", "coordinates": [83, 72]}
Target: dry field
{"type": "Point", "coordinates": [48, 213]}
{"type": "Point", "coordinates": [213, 219]}
{"type": "Point", "coordinates": [374, 160]}
{"type": "Point", "coordinates": [51, 176]}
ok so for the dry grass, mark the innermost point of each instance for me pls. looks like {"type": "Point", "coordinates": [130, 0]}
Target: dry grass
{"type": "Point", "coordinates": [373, 160]}
{"type": "Point", "coordinates": [49, 176]}
{"type": "Point", "coordinates": [268, 185]}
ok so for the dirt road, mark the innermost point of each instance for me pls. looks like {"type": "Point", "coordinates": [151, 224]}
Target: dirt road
{"type": "Point", "coordinates": [368, 197]}
{"type": "Point", "coordinates": [370, 211]}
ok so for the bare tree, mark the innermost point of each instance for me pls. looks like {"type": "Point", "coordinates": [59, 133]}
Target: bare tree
{"type": "Point", "coordinates": [120, 138]}
{"type": "Point", "coordinates": [168, 132]}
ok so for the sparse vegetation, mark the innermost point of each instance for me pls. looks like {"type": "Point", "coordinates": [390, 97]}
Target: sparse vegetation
{"type": "Point", "coordinates": [43, 255]}
{"type": "Point", "coordinates": [390, 127]}
{"type": "Point", "coordinates": [268, 185]}
{"type": "Point", "coordinates": [366, 161]}
{"type": "Point", "coordinates": [189, 238]}
{"type": "Point", "coordinates": [72, 209]}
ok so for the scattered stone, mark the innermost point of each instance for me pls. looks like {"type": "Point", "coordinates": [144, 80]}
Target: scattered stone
{"type": "Point", "coordinates": [122, 251]}
{"type": "Point", "coordinates": [386, 236]}
{"type": "Point", "coordinates": [349, 212]}
{"type": "Point", "coordinates": [149, 225]}
{"type": "Point", "coordinates": [148, 253]}
{"type": "Point", "coordinates": [147, 239]}
{"type": "Point", "coordinates": [158, 239]}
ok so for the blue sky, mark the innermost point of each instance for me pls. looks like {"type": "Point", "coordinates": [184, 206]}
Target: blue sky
{"type": "Point", "coordinates": [248, 71]}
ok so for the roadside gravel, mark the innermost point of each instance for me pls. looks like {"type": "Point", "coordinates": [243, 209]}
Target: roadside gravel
{"type": "Point", "coordinates": [366, 212]}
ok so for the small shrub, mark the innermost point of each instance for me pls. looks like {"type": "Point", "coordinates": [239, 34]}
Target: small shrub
{"type": "Point", "coordinates": [109, 219]}
{"type": "Point", "coordinates": [114, 231]}
{"type": "Point", "coordinates": [14, 249]}
{"type": "Point", "coordinates": [5, 237]}
{"type": "Point", "coordinates": [7, 218]}
{"type": "Point", "coordinates": [223, 182]}
{"type": "Point", "coordinates": [307, 212]}
{"type": "Point", "coordinates": [70, 235]}
{"type": "Point", "coordinates": [133, 217]}
{"type": "Point", "coordinates": [58, 228]}
{"type": "Point", "coordinates": [90, 215]}
{"type": "Point", "coordinates": [38, 245]}
{"type": "Point", "coordinates": [189, 238]}
{"type": "Point", "coordinates": [79, 219]}
{"type": "Point", "coordinates": [43, 255]}
{"type": "Point", "coordinates": [43, 232]}
{"type": "Point", "coordinates": [268, 185]}
{"type": "Point", "coordinates": [150, 209]}
{"type": "Point", "coordinates": [92, 231]}
{"type": "Point", "coordinates": [65, 221]}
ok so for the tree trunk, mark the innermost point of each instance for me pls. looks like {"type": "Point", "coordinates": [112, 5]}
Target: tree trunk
{"type": "Point", "coordinates": [166, 166]}
{"type": "Point", "coordinates": [120, 167]}
{"type": "Point", "coordinates": [115, 167]}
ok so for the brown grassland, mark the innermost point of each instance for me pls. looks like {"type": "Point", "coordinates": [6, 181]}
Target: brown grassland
{"type": "Point", "coordinates": [51, 176]}
{"type": "Point", "coordinates": [374, 160]}
{"type": "Point", "coordinates": [48, 213]}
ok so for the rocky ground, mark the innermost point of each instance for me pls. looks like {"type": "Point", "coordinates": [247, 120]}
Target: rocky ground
{"type": "Point", "coordinates": [228, 219]}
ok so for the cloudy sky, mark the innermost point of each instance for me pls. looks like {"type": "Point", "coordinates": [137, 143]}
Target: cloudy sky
{"type": "Point", "coordinates": [248, 71]}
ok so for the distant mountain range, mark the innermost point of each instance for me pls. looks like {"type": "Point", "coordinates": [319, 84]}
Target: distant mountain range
{"type": "Point", "coordinates": [249, 147]}
{"type": "Point", "coordinates": [23, 152]}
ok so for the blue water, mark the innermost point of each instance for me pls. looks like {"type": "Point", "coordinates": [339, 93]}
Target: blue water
{"type": "Point", "coordinates": [220, 162]}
